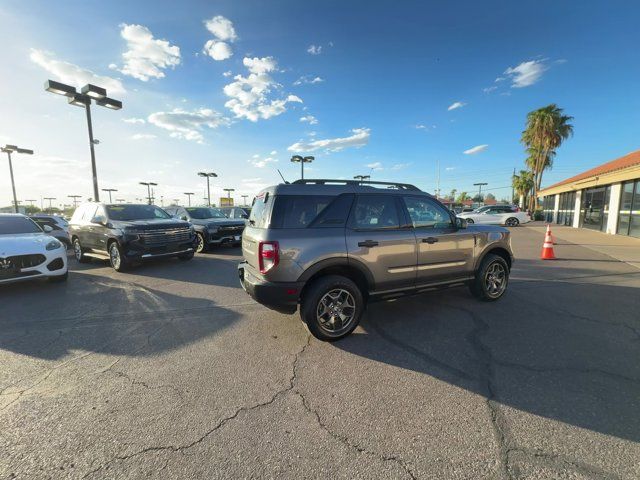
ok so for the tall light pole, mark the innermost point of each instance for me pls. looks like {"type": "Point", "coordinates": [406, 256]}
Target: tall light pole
{"type": "Point", "coordinates": [110, 190]}
{"type": "Point", "coordinates": [362, 178]}
{"type": "Point", "coordinates": [30, 201]}
{"type": "Point", "coordinates": [148, 185]}
{"type": "Point", "coordinates": [302, 161]}
{"type": "Point", "coordinates": [50, 199]}
{"type": "Point", "coordinates": [208, 175]}
{"type": "Point", "coordinates": [188, 194]}
{"type": "Point", "coordinates": [480, 185]}
{"type": "Point", "coordinates": [75, 200]}
{"type": "Point", "coordinates": [229, 190]}
{"type": "Point", "coordinates": [120, 200]}
{"type": "Point", "coordinates": [244, 199]}
{"type": "Point", "coordinates": [83, 99]}
{"type": "Point", "coordinates": [8, 149]}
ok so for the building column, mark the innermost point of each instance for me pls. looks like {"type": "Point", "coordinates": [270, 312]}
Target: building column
{"type": "Point", "coordinates": [556, 207]}
{"type": "Point", "coordinates": [614, 208]}
{"type": "Point", "coordinates": [576, 209]}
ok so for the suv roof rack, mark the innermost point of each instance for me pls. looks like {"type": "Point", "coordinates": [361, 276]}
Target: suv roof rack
{"type": "Point", "coordinates": [324, 181]}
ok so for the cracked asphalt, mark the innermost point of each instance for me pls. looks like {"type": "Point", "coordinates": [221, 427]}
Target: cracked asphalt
{"type": "Point", "coordinates": [172, 371]}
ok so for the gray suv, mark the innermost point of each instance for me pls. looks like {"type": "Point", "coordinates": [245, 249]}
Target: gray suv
{"type": "Point", "coordinates": [331, 246]}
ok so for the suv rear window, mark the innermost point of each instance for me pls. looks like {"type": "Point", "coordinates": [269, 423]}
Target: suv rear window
{"type": "Point", "coordinates": [258, 217]}
{"type": "Point", "coordinates": [297, 211]}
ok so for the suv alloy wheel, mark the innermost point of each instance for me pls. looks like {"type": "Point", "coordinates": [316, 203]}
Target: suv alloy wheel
{"type": "Point", "coordinates": [332, 307]}
{"type": "Point", "coordinates": [78, 253]}
{"type": "Point", "coordinates": [116, 257]}
{"type": "Point", "coordinates": [512, 222]}
{"type": "Point", "coordinates": [491, 278]}
{"type": "Point", "coordinates": [200, 245]}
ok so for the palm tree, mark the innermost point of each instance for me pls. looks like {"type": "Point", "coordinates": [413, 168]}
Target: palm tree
{"type": "Point", "coordinates": [523, 184]}
{"type": "Point", "coordinates": [545, 131]}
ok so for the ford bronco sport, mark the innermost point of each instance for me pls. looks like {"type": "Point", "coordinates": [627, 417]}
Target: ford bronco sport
{"type": "Point", "coordinates": [332, 245]}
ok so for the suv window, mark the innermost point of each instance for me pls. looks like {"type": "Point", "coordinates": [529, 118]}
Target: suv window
{"type": "Point", "coordinates": [298, 211]}
{"type": "Point", "coordinates": [259, 210]}
{"type": "Point", "coordinates": [425, 213]}
{"type": "Point", "coordinates": [375, 212]}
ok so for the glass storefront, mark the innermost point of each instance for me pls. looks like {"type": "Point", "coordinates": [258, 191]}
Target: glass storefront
{"type": "Point", "coordinates": [629, 218]}
{"type": "Point", "coordinates": [595, 208]}
{"type": "Point", "coordinates": [566, 208]}
{"type": "Point", "coordinates": [548, 204]}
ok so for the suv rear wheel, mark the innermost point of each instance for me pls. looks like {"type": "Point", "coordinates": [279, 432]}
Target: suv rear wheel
{"type": "Point", "coordinates": [491, 278]}
{"type": "Point", "coordinates": [332, 307]}
{"type": "Point", "coordinates": [512, 222]}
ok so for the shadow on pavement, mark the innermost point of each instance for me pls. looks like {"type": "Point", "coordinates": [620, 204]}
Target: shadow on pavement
{"type": "Point", "coordinates": [560, 350]}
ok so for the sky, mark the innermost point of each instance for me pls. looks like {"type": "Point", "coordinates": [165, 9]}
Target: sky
{"type": "Point", "coordinates": [425, 92]}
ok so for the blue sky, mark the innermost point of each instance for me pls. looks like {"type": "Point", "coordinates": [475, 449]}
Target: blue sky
{"type": "Point", "coordinates": [237, 87]}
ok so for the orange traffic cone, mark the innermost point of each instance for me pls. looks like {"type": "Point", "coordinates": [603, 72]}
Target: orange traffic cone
{"type": "Point", "coordinates": [553, 239]}
{"type": "Point", "coordinates": [547, 248]}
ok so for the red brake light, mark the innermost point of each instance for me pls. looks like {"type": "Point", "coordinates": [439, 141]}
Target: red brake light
{"type": "Point", "coordinates": [268, 256]}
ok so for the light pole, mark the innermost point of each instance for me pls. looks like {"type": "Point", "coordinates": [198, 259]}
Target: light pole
{"type": "Point", "coordinates": [188, 194]}
{"type": "Point", "coordinates": [120, 200]}
{"type": "Point", "coordinates": [83, 99]}
{"type": "Point", "coordinates": [229, 190]}
{"type": "Point", "coordinates": [244, 198]}
{"type": "Point", "coordinates": [50, 199]}
{"type": "Point", "coordinates": [110, 190]}
{"type": "Point", "coordinates": [75, 200]}
{"type": "Point", "coordinates": [176, 201]}
{"type": "Point", "coordinates": [480, 185]}
{"type": "Point", "coordinates": [302, 160]}
{"type": "Point", "coordinates": [30, 202]}
{"type": "Point", "coordinates": [362, 177]}
{"type": "Point", "coordinates": [8, 149]}
{"type": "Point", "coordinates": [208, 175]}
{"type": "Point", "coordinates": [148, 185]}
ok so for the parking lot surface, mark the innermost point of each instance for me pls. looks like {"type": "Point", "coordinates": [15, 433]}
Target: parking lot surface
{"type": "Point", "coordinates": [172, 371]}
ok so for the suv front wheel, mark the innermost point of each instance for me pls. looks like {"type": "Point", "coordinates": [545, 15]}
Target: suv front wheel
{"type": "Point", "coordinates": [491, 278]}
{"type": "Point", "coordinates": [116, 257]}
{"type": "Point", "coordinates": [332, 307]}
{"type": "Point", "coordinates": [78, 252]}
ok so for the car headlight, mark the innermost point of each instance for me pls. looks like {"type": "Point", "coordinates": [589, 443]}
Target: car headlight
{"type": "Point", "coordinates": [53, 244]}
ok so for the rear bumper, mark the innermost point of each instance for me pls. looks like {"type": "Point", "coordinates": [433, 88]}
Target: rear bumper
{"type": "Point", "coordinates": [279, 296]}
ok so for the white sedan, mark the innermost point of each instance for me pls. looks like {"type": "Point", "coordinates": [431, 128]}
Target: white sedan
{"type": "Point", "coordinates": [496, 215]}
{"type": "Point", "coordinates": [26, 251]}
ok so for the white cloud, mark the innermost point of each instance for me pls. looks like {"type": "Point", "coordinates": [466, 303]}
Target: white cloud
{"type": "Point", "coordinates": [400, 166]}
{"type": "Point", "coordinates": [489, 89]}
{"type": "Point", "coordinates": [249, 96]}
{"type": "Point", "coordinates": [72, 74]}
{"type": "Point", "coordinates": [273, 152]}
{"type": "Point", "coordinates": [147, 56]}
{"type": "Point", "coordinates": [314, 49]}
{"type": "Point", "coordinates": [188, 125]}
{"type": "Point", "coordinates": [526, 74]}
{"type": "Point", "coordinates": [221, 28]}
{"type": "Point", "coordinates": [228, 73]}
{"type": "Point", "coordinates": [476, 149]}
{"type": "Point", "coordinates": [448, 169]}
{"type": "Point", "coordinates": [259, 162]}
{"type": "Point", "coordinates": [310, 119]}
{"type": "Point", "coordinates": [456, 105]}
{"type": "Point", "coordinates": [134, 120]}
{"type": "Point", "coordinates": [218, 50]}
{"type": "Point", "coordinates": [359, 138]}
{"type": "Point", "coordinates": [375, 166]}
{"type": "Point", "coordinates": [308, 80]}
{"type": "Point", "coordinates": [143, 136]}
{"type": "Point", "coordinates": [426, 128]}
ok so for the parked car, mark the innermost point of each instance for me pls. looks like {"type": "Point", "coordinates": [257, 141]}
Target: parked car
{"type": "Point", "coordinates": [27, 251]}
{"type": "Point", "coordinates": [330, 246]}
{"type": "Point", "coordinates": [59, 226]}
{"type": "Point", "coordinates": [236, 212]}
{"type": "Point", "coordinates": [508, 215]}
{"type": "Point", "coordinates": [212, 226]}
{"type": "Point", "coordinates": [128, 233]}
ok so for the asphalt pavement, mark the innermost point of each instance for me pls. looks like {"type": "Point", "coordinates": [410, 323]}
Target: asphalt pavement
{"type": "Point", "coordinates": [172, 371]}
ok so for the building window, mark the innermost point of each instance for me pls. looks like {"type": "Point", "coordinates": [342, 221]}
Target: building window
{"type": "Point", "coordinates": [548, 205]}
{"type": "Point", "coordinates": [595, 204]}
{"type": "Point", "coordinates": [629, 217]}
{"type": "Point", "coordinates": [566, 208]}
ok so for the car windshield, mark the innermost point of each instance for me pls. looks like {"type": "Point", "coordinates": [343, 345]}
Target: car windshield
{"type": "Point", "coordinates": [202, 213]}
{"type": "Point", "coordinates": [12, 225]}
{"type": "Point", "coordinates": [135, 212]}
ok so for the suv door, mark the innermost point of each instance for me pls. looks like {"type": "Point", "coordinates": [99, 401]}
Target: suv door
{"type": "Point", "coordinates": [97, 232]}
{"type": "Point", "coordinates": [445, 252]}
{"type": "Point", "coordinates": [379, 237]}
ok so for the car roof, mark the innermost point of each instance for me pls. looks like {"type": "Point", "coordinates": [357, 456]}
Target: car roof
{"type": "Point", "coordinates": [12, 215]}
{"type": "Point", "coordinates": [337, 187]}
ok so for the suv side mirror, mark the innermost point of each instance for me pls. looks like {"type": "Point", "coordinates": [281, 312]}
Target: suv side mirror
{"type": "Point", "coordinates": [47, 229]}
{"type": "Point", "coordinates": [461, 222]}
{"type": "Point", "coordinates": [99, 219]}
{"type": "Point", "coordinates": [184, 217]}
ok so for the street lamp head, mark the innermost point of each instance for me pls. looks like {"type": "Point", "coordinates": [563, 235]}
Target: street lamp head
{"type": "Point", "coordinates": [59, 88]}
{"type": "Point", "coordinates": [110, 103]}
{"type": "Point", "coordinates": [94, 91]}
{"type": "Point", "coordinates": [26, 151]}
{"type": "Point", "coordinates": [308, 159]}
{"type": "Point", "coordinates": [9, 148]}
{"type": "Point", "coordinates": [297, 158]}
{"type": "Point", "coordinates": [207, 174]}
{"type": "Point", "coordinates": [79, 100]}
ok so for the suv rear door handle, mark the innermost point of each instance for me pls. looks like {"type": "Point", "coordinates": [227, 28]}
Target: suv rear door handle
{"type": "Point", "coordinates": [429, 240]}
{"type": "Point", "coordinates": [368, 243]}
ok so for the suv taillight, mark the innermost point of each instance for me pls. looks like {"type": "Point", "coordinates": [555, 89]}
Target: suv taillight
{"type": "Point", "coordinates": [268, 256]}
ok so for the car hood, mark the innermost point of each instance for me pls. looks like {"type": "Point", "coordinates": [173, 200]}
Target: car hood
{"type": "Point", "coordinates": [23, 243]}
{"type": "Point", "coordinates": [155, 224]}
{"type": "Point", "coordinates": [218, 222]}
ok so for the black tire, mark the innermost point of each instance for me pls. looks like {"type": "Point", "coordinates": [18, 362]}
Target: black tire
{"type": "Point", "coordinates": [469, 220]}
{"type": "Point", "coordinates": [59, 278]}
{"type": "Point", "coordinates": [512, 222]}
{"type": "Point", "coordinates": [78, 252]}
{"type": "Point", "coordinates": [201, 246]}
{"type": "Point", "coordinates": [324, 290]}
{"type": "Point", "coordinates": [186, 256]}
{"type": "Point", "coordinates": [116, 258]}
{"type": "Point", "coordinates": [491, 279]}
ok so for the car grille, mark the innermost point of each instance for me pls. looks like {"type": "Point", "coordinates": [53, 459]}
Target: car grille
{"type": "Point", "coordinates": [10, 267]}
{"type": "Point", "coordinates": [162, 237]}
{"type": "Point", "coordinates": [227, 231]}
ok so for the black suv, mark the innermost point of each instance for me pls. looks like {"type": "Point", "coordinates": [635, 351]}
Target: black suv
{"type": "Point", "coordinates": [212, 226]}
{"type": "Point", "coordinates": [127, 233]}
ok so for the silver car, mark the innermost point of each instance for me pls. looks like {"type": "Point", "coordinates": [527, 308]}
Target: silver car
{"type": "Point", "coordinates": [330, 246]}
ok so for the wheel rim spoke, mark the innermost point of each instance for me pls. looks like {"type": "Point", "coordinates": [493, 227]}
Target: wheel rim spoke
{"type": "Point", "coordinates": [336, 310]}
